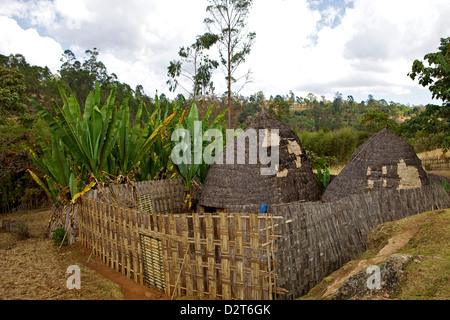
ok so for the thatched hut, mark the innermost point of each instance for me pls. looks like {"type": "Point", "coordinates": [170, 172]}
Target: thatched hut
{"type": "Point", "coordinates": [383, 161]}
{"type": "Point", "coordinates": [233, 187]}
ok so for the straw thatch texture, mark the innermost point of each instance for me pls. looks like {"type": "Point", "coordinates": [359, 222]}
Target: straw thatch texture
{"type": "Point", "coordinates": [385, 161]}
{"type": "Point", "coordinates": [229, 186]}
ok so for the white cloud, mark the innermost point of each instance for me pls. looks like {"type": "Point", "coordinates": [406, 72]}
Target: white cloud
{"type": "Point", "coordinates": [74, 12]}
{"type": "Point", "coordinates": [38, 50]}
{"type": "Point", "coordinates": [301, 45]}
{"type": "Point", "coordinates": [370, 51]}
{"type": "Point", "coordinates": [283, 28]}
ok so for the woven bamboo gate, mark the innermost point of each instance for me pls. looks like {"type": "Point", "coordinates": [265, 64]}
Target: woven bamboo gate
{"type": "Point", "coordinates": [213, 256]}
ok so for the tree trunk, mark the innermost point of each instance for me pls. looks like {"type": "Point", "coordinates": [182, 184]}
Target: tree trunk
{"type": "Point", "coordinates": [229, 79]}
{"type": "Point", "coordinates": [64, 217]}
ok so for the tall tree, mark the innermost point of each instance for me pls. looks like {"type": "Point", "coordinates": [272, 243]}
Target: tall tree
{"type": "Point", "coordinates": [228, 19]}
{"type": "Point", "coordinates": [81, 77]}
{"type": "Point", "coordinates": [195, 66]}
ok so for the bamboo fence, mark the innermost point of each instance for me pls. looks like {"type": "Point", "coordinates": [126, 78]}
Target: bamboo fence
{"type": "Point", "coordinates": [213, 256]}
{"type": "Point", "coordinates": [436, 163]}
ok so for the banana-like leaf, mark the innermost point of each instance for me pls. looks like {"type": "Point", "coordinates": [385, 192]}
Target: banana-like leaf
{"type": "Point", "coordinates": [57, 129]}
{"type": "Point", "coordinates": [42, 185]}
{"type": "Point", "coordinates": [73, 185]}
{"type": "Point", "coordinates": [79, 194]}
{"type": "Point", "coordinates": [218, 121]}
{"type": "Point", "coordinates": [150, 140]}
{"type": "Point", "coordinates": [89, 137]}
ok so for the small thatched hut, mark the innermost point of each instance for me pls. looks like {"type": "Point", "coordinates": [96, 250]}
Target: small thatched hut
{"type": "Point", "coordinates": [233, 187]}
{"type": "Point", "coordinates": [383, 161]}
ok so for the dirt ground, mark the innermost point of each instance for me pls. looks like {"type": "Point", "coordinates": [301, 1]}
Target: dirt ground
{"type": "Point", "coordinates": [35, 268]}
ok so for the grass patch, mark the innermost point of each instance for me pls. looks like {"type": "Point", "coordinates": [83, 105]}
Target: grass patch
{"type": "Point", "coordinates": [427, 276]}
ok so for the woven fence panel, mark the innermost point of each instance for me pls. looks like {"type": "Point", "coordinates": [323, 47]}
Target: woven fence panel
{"type": "Point", "coordinates": [318, 238]}
{"type": "Point", "coordinates": [167, 195]}
{"type": "Point", "coordinates": [213, 256]}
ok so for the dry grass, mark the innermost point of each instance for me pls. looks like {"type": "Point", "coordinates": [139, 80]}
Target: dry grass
{"type": "Point", "coordinates": [35, 268]}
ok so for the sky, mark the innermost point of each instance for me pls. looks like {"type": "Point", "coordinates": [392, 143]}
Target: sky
{"type": "Point", "coordinates": [357, 47]}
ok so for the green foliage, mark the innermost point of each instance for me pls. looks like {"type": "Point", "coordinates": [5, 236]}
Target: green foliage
{"type": "Point", "coordinates": [89, 137]}
{"type": "Point", "coordinates": [216, 123]}
{"type": "Point", "coordinates": [58, 236]}
{"type": "Point", "coordinates": [195, 66]}
{"type": "Point", "coordinates": [317, 115]}
{"type": "Point", "coordinates": [192, 167]}
{"type": "Point", "coordinates": [429, 129]}
{"type": "Point", "coordinates": [12, 88]}
{"type": "Point", "coordinates": [80, 77]}
{"type": "Point", "coordinates": [23, 230]}
{"type": "Point", "coordinates": [135, 143]}
{"type": "Point", "coordinates": [437, 75]}
{"type": "Point", "coordinates": [446, 185]}
{"type": "Point", "coordinates": [192, 129]}
{"type": "Point", "coordinates": [90, 145]}
{"type": "Point", "coordinates": [228, 19]}
{"type": "Point", "coordinates": [62, 178]}
{"type": "Point", "coordinates": [375, 121]}
{"type": "Point", "coordinates": [334, 146]}
{"type": "Point", "coordinates": [157, 164]}
{"type": "Point", "coordinates": [17, 188]}
{"type": "Point", "coordinates": [279, 108]}
{"type": "Point", "coordinates": [323, 173]}
{"type": "Point", "coordinates": [39, 83]}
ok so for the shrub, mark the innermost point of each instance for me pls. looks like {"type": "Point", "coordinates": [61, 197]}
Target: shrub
{"type": "Point", "coordinates": [338, 145]}
{"type": "Point", "coordinates": [22, 230]}
{"type": "Point", "coordinates": [446, 186]}
{"type": "Point", "coordinates": [58, 236]}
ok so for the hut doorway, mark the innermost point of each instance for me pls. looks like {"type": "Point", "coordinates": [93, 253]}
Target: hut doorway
{"type": "Point", "coordinates": [205, 209]}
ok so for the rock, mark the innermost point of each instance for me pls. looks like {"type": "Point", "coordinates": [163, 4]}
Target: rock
{"type": "Point", "coordinates": [16, 226]}
{"type": "Point", "coordinates": [390, 272]}
{"type": "Point", "coordinates": [9, 225]}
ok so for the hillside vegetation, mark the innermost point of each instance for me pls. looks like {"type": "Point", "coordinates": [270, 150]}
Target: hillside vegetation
{"type": "Point", "coordinates": [423, 237]}
{"type": "Point", "coordinates": [330, 130]}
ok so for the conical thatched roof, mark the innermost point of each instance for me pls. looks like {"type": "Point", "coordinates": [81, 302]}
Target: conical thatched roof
{"type": "Point", "coordinates": [242, 187]}
{"type": "Point", "coordinates": [383, 161]}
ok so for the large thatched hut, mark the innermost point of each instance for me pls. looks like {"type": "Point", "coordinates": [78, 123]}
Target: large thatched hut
{"type": "Point", "coordinates": [244, 187]}
{"type": "Point", "coordinates": [383, 161]}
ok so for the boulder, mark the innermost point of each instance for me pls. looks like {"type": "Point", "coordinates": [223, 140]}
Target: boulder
{"type": "Point", "coordinates": [360, 286]}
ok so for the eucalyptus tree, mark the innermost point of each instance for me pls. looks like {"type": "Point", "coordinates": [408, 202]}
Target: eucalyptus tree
{"type": "Point", "coordinates": [228, 19]}
{"type": "Point", "coordinates": [195, 66]}
{"type": "Point", "coordinates": [81, 76]}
